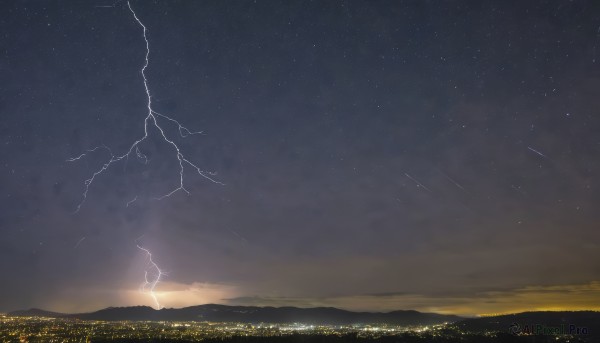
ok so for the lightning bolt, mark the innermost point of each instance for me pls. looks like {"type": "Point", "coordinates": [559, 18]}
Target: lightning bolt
{"type": "Point", "coordinates": [155, 274]}
{"type": "Point", "coordinates": [152, 119]}
{"type": "Point", "coordinates": [131, 201]}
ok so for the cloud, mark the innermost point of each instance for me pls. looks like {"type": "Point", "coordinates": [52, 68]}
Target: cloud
{"type": "Point", "coordinates": [532, 298]}
{"type": "Point", "coordinates": [172, 294]}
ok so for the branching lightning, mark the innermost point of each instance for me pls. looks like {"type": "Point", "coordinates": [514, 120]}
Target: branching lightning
{"type": "Point", "coordinates": [152, 275]}
{"type": "Point", "coordinates": [152, 118]}
{"type": "Point", "coordinates": [131, 201]}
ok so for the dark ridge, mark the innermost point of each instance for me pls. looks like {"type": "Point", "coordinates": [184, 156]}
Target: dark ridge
{"type": "Point", "coordinates": [564, 320]}
{"type": "Point", "coordinates": [36, 312]}
{"type": "Point", "coordinates": [353, 338]}
{"type": "Point", "coordinates": [252, 314]}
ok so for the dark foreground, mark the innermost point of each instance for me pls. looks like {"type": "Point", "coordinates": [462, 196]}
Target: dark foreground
{"type": "Point", "coordinates": [403, 338]}
{"type": "Point", "coordinates": [40, 329]}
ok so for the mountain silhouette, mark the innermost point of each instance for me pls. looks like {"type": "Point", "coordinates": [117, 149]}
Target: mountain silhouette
{"type": "Point", "coordinates": [585, 324]}
{"type": "Point", "coordinates": [251, 314]}
{"type": "Point", "coordinates": [36, 312]}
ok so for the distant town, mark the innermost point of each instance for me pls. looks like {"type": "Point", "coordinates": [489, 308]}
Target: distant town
{"type": "Point", "coordinates": [46, 329]}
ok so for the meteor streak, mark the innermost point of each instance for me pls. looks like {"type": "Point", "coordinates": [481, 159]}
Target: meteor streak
{"type": "Point", "coordinates": [157, 120]}
{"type": "Point", "coordinates": [417, 182]}
{"type": "Point", "coordinates": [452, 180]}
{"type": "Point", "coordinates": [78, 242]}
{"type": "Point", "coordinates": [537, 152]}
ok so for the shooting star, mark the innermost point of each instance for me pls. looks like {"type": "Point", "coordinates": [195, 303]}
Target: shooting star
{"type": "Point", "coordinates": [238, 236]}
{"type": "Point", "coordinates": [417, 182]}
{"type": "Point", "coordinates": [452, 180]}
{"type": "Point", "coordinates": [78, 242]}
{"type": "Point", "coordinates": [537, 152]}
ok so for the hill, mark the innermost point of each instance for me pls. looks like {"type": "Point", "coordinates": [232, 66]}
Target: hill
{"type": "Point", "coordinates": [36, 312]}
{"type": "Point", "coordinates": [252, 314]}
{"type": "Point", "coordinates": [584, 324]}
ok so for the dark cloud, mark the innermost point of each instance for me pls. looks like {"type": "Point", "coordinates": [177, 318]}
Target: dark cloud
{"type": "Point", "coordinates": [416, 151]}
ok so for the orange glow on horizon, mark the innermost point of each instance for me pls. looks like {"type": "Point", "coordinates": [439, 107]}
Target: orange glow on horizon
{"type": "Point", "coordinates": [582, 297]}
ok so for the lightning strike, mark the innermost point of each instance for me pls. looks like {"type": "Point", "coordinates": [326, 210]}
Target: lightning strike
{"type": "Point", "coordinates": [155, 274]}
{"type": "Point", "coordinates": [417, 182]}
{"type": "Point", "coordinates": [152, 119]}
{"type": "Point", "coordinates": [131, 201]}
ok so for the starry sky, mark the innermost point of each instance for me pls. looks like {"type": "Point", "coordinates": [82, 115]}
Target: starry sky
{"type": "Point", "coordinates": [376, 155]}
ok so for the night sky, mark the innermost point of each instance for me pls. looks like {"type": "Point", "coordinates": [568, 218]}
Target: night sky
{"type": "Point", "coordinates": [376, 155]}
